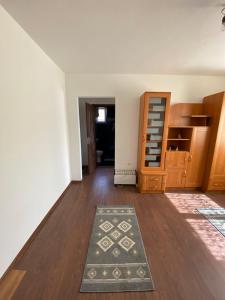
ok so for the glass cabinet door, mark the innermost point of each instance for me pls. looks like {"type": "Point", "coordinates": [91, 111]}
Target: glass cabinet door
{"type": "Point", "coordinates": [154, 131]}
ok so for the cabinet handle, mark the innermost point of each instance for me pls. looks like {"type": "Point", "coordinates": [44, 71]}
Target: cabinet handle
{"type": "Point", "coordinates": [185, 173]}
{"type": "Point", "coordinates": [190, 158]}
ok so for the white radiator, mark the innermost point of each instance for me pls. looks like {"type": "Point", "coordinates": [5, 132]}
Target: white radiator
{"type": "Point", "coordinates": [125, 176]}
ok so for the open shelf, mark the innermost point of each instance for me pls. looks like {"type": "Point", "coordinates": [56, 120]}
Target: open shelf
{"type": "Point", "coordinates": [177, 126]}
{"type": "Point", "coordinates": [179, 138]}
{"type": "Point", "coordinates": [198, 120]}
{"type": "Point", "coordinates": [178, 145]}
{"type": "Point", "coordinates": [197, 116]}
{"type": "Point", "coordinates": [176, 150]}
{"type": "Point", "coordinates": [180, 133]}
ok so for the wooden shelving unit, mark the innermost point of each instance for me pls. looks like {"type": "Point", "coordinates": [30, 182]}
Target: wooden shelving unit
{"type": "Point", "coordinates": [191, 148]}
{"type": "Point", "coordinates": [186, 146]}
{"type": "Point", "coordinates": [154, 112]}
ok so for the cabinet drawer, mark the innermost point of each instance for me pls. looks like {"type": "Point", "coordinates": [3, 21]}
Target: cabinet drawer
{"type": "Point", "coordinates": [217, 184]}
{"type": "Point", "coordinates": [154, 179]}
{"type": "Point", "coordinates": [152, 183]}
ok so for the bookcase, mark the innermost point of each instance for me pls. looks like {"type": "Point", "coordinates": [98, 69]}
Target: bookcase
{"type": "Point", "coordinates": [153, 129]}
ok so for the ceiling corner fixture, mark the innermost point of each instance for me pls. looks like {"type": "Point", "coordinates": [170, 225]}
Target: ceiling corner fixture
{"type": "Point", "coordinates": [223, 18]}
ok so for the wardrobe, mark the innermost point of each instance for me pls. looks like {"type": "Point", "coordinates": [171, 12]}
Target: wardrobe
{"type": "Point", "coordinates": [214, 179]}
{"type": "Point", "coordinates": [181, 145]}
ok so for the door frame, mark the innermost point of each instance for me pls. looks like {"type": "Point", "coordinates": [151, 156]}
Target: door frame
{"type": "Point", "coordinates": [91, 138]}
{"type": "Point", "coordinates": [97, 101]}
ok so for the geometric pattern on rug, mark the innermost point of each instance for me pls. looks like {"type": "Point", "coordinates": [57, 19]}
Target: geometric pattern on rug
{"type": "Point", "coordinates": [116, 259]}
{"type": "Point", "coordinates": [216, 216]}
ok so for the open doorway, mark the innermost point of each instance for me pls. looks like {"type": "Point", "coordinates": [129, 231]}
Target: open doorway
{"type": "Point", "coordinates": [105, 134]}
{"type": "Point", "coordinates": [97, 125]}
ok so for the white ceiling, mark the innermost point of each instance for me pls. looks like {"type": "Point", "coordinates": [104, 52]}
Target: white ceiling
{"type": "Point", "coordinates": [126, 36]}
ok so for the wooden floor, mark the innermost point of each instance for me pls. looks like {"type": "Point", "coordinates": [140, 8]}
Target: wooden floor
{"type": "Point", "coordinates": [186, 253]}
{"type": "Point", "coordinates": [10, 283]}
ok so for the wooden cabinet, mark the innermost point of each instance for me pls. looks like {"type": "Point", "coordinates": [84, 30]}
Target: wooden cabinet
{"type": "Point", "coordinates": [197, 157]}
{"type": "Point", "coordinates": [214, 179]}
{"type": "Point", "coordinates": [175, 178]}
{"type": "Point", "coordinates": [154, 183]}
{"type": "Point", "coordinates": [185, 169]}
{"type": "Point", "coordinates": [176, 165]}
{"type": "Point", "coordinates": [189, 152]}
{"type": "Point", "coordinates": [176, 159]}
{"type": "Point", "coordinates": [154, 110]}
{"type": "Point", "coordinates": [217, 183]}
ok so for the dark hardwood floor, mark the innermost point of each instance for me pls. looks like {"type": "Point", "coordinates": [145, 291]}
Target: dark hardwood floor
{"type": "Point", "coordinates": [186, 253]}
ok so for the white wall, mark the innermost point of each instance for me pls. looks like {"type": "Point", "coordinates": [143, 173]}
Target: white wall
{"type": "Point", "coordinates": [34, 166]}
{"type": "Point", "coordinates": [83, 127]}
{"type": "Point", "coordinates": [127, 89]}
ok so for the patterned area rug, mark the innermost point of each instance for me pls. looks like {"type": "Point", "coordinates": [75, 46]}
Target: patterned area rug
{"type": "Point", "coordinates": [116, 259]}
{"type": "Point", "coordinates": [216, 217]}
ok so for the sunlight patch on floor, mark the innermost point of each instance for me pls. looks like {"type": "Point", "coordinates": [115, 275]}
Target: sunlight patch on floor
{"type": "Point", "coordinates": [188, 203]}
{"type": "Point", "coordinates": [209, 235]}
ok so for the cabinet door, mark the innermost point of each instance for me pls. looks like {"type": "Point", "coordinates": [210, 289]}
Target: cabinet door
{"type": "Point", "coordinates": [175, 178]}
{"type": "Point", "coordinates": [217, 183]}
{"type": "Point", "coordinates": [197, 158]}
{"type": "Point", "coordinates": [176, 159]}
{"type": "Point", "coordinates": [217, 176]}
{"type": "Point", "coordinates": [214, 106]}
{"type": "Point", "coordinates": [175, 164]}
{"type": "Point", "coordinates": [156, 111]}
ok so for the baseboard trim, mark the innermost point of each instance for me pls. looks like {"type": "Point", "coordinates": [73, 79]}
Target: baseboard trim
{"type": "Point", "coordinates": [36, 231]}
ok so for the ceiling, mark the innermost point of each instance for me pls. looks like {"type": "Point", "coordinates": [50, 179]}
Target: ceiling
{"type": "Point", "coordinates": [126, 36]}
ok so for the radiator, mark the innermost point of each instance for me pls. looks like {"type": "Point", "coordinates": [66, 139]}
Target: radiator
{"type": "Point", "coordinates": [124, 176]}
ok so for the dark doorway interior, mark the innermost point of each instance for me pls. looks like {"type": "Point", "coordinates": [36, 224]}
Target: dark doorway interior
{"type": "Point", "coordinates": [105, 135]}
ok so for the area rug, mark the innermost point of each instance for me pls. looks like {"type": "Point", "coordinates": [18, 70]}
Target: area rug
{"type": "Point", "coordinates": [116, 259]}
{"type": "Point", "coordinates": [216, 216]}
